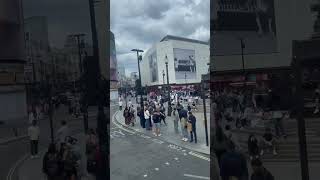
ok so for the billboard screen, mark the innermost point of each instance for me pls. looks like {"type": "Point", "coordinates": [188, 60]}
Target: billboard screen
{"type": "Point", "coordinates": [253, 21]}
{"type": "Point", "coordinates": [184, 63]}
{"type": "Point", "coordinates": [153, 66]}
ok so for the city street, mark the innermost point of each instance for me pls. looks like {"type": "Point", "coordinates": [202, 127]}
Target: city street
{"type": "Point", "coordinates": [151, 158]}
{"type": "Point", "coordinates": [14, 153]}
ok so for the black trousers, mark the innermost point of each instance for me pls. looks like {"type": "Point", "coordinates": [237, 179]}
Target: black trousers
{"type": "Point", "coordinates": [193, 133]}
{"type": "Point", "coordinates": [34, 147]}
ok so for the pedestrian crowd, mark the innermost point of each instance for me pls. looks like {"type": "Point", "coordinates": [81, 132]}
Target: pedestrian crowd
{"type": "Point", "coordinates": [153, 115]}
{"type": "Point", "coordinates": [63, 159]}
{"type": "Point", "coordinates": [247, 108]}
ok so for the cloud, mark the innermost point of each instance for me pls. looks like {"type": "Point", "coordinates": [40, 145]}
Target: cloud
{"type": "Point", "coordinates": [141, 23]}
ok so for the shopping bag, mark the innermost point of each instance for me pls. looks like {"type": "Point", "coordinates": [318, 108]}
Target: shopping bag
{"type": "Point", "coordinates": [189, 127]}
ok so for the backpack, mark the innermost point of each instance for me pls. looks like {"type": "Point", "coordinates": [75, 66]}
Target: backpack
{"type": "Point", "coordinates": [52, 165]}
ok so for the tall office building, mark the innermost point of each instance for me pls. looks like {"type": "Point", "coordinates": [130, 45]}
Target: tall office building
{"type": "Point", "coordinates": [12, 58]}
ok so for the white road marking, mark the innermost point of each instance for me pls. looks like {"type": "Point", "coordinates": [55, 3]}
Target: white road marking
{"type": "Point", "coordinates": [173, 146]}
{"type": "Point", "coordinates": [144, 136]}
{"type": "Point", "coordinates": [197, 177]}
{"type": "Point", "coordinates": [157, 141]}
{"type": "Point", "coordinates": [119, 126]}
{"type": "Point", "coordinates": [199, 156]}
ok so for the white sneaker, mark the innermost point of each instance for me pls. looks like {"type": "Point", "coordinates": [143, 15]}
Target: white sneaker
{"type": "Point", "coordinates": [186, 139]}
{"type": "Point", "coordinates": [159, 134]}
{"type": "Point", "coordinates": [182, 139]}
{"type": "Point", "coordinates": [251, 157]}
{"type": "Point", "coordinates": [261, 153]}
{"type": "Point", "coordinates": [275, 152]}
{"type": "Point", "coordinates": [155, 134]}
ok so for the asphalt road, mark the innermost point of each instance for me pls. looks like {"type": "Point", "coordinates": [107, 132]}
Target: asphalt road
{"type": "Point", "coordinates": [136, 157]}
{"type": "Point", "coordinates": [12, 152]}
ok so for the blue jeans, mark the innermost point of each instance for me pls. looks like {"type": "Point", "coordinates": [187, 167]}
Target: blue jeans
{"type": "Point", "coordinates": [184, 132]}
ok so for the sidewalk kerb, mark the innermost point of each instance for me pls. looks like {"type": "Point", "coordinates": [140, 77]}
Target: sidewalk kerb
{"type": "Point", "coordinates": [128, 127]}
{"type": "Point", "coordinates": [13, 139]}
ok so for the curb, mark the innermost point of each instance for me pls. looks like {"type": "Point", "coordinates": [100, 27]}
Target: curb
{"type": "Point", "coordinates": [132, 129]}
{"type": "Point", "coordinates": [20, 162]}
{"type": "Point", "coordinates": [13, 139]}
{"type": "Point", "coordinates": [9, 140]}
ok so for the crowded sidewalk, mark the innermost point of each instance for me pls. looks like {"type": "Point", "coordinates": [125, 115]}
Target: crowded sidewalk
{"type": "Point", "coordinates": [35, 165]}
{"type": "Point", "coordinates": [169, 134]}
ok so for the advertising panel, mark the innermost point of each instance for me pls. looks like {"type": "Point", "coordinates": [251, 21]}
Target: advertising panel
{"type": "Point", "coordinates": [153, 66]}
{"type": "Point", "coordinates": [184, 63]}
{"type": "Point", "coordinates": [249, 21]}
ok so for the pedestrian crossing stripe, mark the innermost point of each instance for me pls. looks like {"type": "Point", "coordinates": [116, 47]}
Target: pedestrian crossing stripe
{"type": "Point", "coordinates": [199, 156]}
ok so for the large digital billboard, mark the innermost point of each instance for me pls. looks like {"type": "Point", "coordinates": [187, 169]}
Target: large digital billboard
{"type": "Point", "coordinates": [153, 66]}
{"type": "Point", "coordinates": [249, 21]}
{"type": "Point", "coordinates": [184, 63]}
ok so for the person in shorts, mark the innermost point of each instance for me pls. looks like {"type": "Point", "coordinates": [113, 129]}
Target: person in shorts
{"type": "Point", "coordinates": [268, 142]}
{"type": "Point", "coordinates": [156, 121]}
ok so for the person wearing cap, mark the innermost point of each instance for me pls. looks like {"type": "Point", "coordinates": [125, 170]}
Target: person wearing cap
{"type": "Point", "coordinates": [259, 171]}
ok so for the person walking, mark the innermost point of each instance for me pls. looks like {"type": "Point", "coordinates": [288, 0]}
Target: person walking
{"type": "Point", "coordinates": [193, 130]}
{"type": "Point", "coordinates": [253, 147]}
{"type": "Point", "coordinates": [189, 108]}
{"type": "Point", "coordinates": [147, 118]}
{"type": "Point", "coordinates": [91, 147]}
{"type": "Point", "coordinates": [62, 133]}
{"type": "Point", "coordinates": [233, 165]}
{"type": "Point", "coordinates": [259, 171]}
{"type": "Point", "coordinates": [51, 163]}
{"type": "Point", "coordinates": [183, 114]}
{"type": "Point", "coordinates": [68, 163]}
{"type": "Point", "coordinates": [219, 144]}
{"type": "Point", "coordinates": [32, 116]}
{"type": "Point", "coordinates": [140, 114]}
{"type": "Point", "coordinates": [120, 104]}
{"type": "Point", "coordinates": [268, 142]}
{"type": "Point", "coordinates": [132, 113]}
{"type": "Point", "coordinates": [176, 120]}
{"type": "Point", "coordinates": [156, 117]}
{"type": "Point", "coordinates": [162, 114]}
{"type": "Point", "coordinates": [126, 115]}
{"type": "Point", "coordinates": [34, 133]}
{"type": "Point", "coordinates": [278, 123]}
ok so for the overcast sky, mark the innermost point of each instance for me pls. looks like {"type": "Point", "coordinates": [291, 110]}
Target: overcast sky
{"type": "Point", "coordinates": [64, 17]}
{"type": "Point", "coordinates": [141, 23]}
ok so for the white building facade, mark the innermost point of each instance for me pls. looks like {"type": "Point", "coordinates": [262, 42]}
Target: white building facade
{"type": "Point", "coordinates": [292, 19]}
{"type": "Point", "coordinates": [187, 60]}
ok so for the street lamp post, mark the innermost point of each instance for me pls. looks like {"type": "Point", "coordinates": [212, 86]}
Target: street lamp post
{"type": "Point", "coordinates": [163, 74]}
{"type": "Point", "coordinates": [78, 36]}
{"type": "Point", "coordinates": [139, 58]}
{"type": "Point", "coordinates": [102, 124]}
{"type": "Point", "coordinates": [242, 59]}
{"type": "Point", "coordinates": [205, 112]}
{"type": "Point", "coordinates": [168, 88]}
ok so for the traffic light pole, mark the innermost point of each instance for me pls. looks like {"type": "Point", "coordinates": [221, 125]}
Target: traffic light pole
{"type": "Point", "coordinates": [103, 171]}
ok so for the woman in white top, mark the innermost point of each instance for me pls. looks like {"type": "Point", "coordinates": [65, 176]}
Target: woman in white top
{"type": "Point", "coordinates": [147, 118]}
